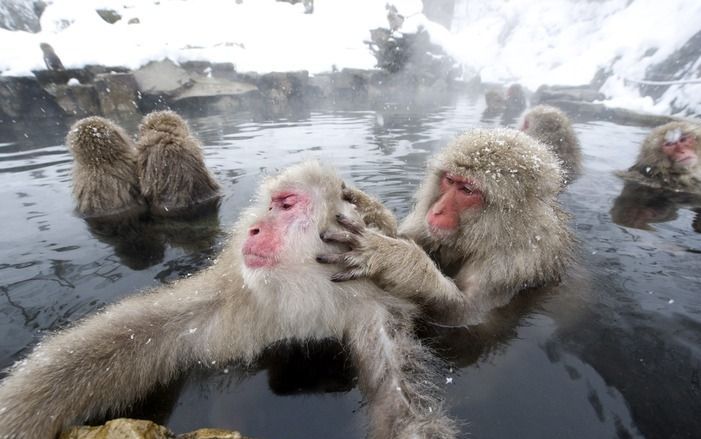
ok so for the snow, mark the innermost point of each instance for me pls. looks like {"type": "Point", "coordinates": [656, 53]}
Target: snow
{"type": "Point", "coordinates": [546, 42]}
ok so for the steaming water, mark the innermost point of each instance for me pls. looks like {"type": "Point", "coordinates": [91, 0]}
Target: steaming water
{"type": "Point", "coordinates": [613, 351]}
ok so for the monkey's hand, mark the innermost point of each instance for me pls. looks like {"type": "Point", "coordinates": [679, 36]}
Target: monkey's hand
{"type": "Point", "coordinates": [374, 213]}
{"type": "Point", "coordinates": [397, 265]}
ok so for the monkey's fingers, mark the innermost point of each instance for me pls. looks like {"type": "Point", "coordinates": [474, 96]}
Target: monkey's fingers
{"type": "Point", "coordinates": [340, 237]}
{"type": "Point", "coordinates": [336, 258]}
{"type": "Point", "coordinates": [353, 226]}
{"type": "Point", "coordinates": [343, 276]}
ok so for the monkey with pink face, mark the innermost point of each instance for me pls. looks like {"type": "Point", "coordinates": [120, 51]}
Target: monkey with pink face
{"type": "Point", "coordinates": [486, 225]}
{"type": "Point", "coordinates": [264, 288]}
{"type": "Point", "coordinates": [669, 158]}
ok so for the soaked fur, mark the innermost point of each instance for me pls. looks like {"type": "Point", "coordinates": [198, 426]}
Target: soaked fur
{"type": "Point", "coordinates": [104, 170]}
{"type": "Point", "coordinates": [519, 239]}
{"type": "Point", "coordinates": [171, 167]}
{"type": "Point", "coordinates": [655, 169]}
{"type": "Point", "coordinates": [551, 126]}
{"type": "Point", "coordinates": [230, 312]}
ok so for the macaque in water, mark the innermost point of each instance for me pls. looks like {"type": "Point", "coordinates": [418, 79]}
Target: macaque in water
{"type": "Point", "coordinates": [552, 127]}
{"type": "Point", "coordinates": [171, 167]}
{"type": "Point", "coordinates": [104, 171]}
{"type": "Point", "coordinates": [486, 225]}
{"type": "Point", "coordinates": [265, 288]}
{"type": "Point", "coordinates": [669, 158]}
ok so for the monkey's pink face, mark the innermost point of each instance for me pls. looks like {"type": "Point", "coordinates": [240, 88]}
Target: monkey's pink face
{"type": "Point", "coordinates": [681, 152]}
{"type": "Point", "coordinates": [457, 194]}
{"type": "Point", "coordinates": [267, 237]}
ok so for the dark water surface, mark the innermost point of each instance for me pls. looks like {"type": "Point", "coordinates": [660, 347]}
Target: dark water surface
{"type": "Point", "coordinates": [615, 351]}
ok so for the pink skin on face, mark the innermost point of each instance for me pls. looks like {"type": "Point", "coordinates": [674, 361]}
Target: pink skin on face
{"type": "Point", "coordinates": [681, 152]}
{"type": "Point", "coordinates": [457, 194]}
{"type": "Point", "coordinates": [266, 237]}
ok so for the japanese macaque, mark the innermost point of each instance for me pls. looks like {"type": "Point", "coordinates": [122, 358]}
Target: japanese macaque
{"type": "Point", "coordinates": [171, 167]}
{"type": "Point", "coordinates": [669, 158]}
{"type": "Point", "coordinates": [552, 127]}
{"type": "Point", "coordinates": [51, 60]}
{"type": "Point", "coordinates": [264, 288]}
{"type": "Point", "coordinates": [486, 225]}
{"type": "Point", "coordinates": [104, 171]}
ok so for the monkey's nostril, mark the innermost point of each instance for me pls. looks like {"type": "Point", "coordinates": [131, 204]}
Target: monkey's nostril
{"type": "Point", "coordinates": [253, 231]}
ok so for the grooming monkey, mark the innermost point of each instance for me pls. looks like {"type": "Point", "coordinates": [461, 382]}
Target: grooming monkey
{"type": "Point", "coordinates": [104, 170]}
{"type": "Point", "coordinates": [171, 167]}
{"type": "Point", "coordinates": [552, 127]}
{"type": "Point", "coordinates": [669, 158]}
{"type": "Point", "coordinates": [486, 225]}
{"type": "Point", "coordinates": [264, 288]}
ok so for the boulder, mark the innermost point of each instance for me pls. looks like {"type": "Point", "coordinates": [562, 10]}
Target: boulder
{"type": "Point", "coordinates": [118, 95]}
{"type": "Point", "coordinates": [109, 15]}
{"type": "Point", "coordinates": [162, 78]}
{"type": "Point", "coordinates": [75, 100]}
{"type": "Point", "coordinates": [124, 428]}
{"type": "Point", "coordinates": [19, 15]}
{"type": "Point", "coordinates": [585, 93]}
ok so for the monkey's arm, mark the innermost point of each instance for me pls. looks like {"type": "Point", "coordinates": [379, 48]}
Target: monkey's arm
{"type": "Point", "coordinates": [402, 268]}
{"type": "Point", "coordinates": [373, 213]}
{"type": "Point", "coordinates": [395, 374]}
{"type": "Point", "coordinates": [111, 359]}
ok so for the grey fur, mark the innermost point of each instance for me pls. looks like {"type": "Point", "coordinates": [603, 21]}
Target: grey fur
{"type": "Point", "coordinates": [655, 169]}
{"type": "Point", "coordinates": [552, 127]}
{"type": "Point", "coordinates": [104, 170]}
{"type": "Point", "coordinates": [230, 312]}
{"type": "Point", "coordinates": [519, 239]}
{"type": "Point", "coordinates": [171, 167]}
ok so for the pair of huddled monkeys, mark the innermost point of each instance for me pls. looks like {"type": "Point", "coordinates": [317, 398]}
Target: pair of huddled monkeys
{"type": "Point", "coordinates": [163, 172]}
{"type": "Point", "coordinates": [315, 259]}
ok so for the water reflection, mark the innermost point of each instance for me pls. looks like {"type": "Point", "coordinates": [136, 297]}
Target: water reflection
{"type": "Point", "coordinates": [639, 205]}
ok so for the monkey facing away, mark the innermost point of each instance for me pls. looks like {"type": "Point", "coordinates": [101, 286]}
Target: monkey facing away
{"type": "Point", "coordinates": [104, 171]}
{"type": "Point", "coordinates": [486, 225]}
{"type": "Point", "coordinates": [669, 158]}
{"type": "Point", "coordinates": [552, 126]}
{"type": "Point", "coordinates": [171, 167]}
{"type": "Point", "coordinates": [264, 288]}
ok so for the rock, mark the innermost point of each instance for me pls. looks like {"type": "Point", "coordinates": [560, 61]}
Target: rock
{"type": "Point", "coordinates": [19, 15]}
{"type": "Point", "coordinates": [162, 78]}
{"type": "Point", "coordinates": [109, 15]}
{"type": "Point", "coordinates": [118, 95]}
{"type": "Point", "coordinates": [587, 111]}
{"type": "Point", "coordinates": [122, 428]}
{"type": "Point", "coordinates": [75, 100]}
{"type": "Point", "coordinates": [585, 93]}
{"type": "Point", "coordinates": [134, 20]}
{"type": "Point", "coordinates": [211, 433]}
{"type": "Point", "coordinates": [679, 65]}
{"type": "Point", "coordinates": [211, 87]}
{"type": "Point", "coordinates": [351, 84]}
{"type": "Point", "coordinates": [23, 97]}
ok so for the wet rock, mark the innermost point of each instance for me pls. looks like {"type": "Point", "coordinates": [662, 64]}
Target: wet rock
{"type": "Point", "coordinates": [163, 78]}
{"type": "Point", "coordinates": [23, 97]}
{"type": "Point", "coordinates": [109, 15]}
{"type": "Point", "coordinates": [75, 100]}
{"type": "Point", "coordinates": [120, 429]}
{"type": "Point", "coordinates": [19, 15]}
{"type": "Point", "coordinates": [124, 428]}
{"type": "Point", "coordinates": [585, 93]}
{"type": "Point", "coordinates": [351, 84]}
{"type": "Point", "coordinates": [587, 111]}
{"type": "Point", "coordinates": [118, 95]}
{"type": "Point", "coordinates": [47, 77]}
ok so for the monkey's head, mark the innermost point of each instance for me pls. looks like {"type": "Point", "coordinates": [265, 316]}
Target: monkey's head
{"type": "Point", "coordinates": [483, 181]}
{"type": "Point", "coordinates": [95, 141]}
{"type": "Point", "coordinates": [282, 231]}
{"type": "Point", "coordinates": [673, 147]}
{"type": "Point", "coordinates": [164, 122]}
{"type": "Point", "coordinates": [544, 119]}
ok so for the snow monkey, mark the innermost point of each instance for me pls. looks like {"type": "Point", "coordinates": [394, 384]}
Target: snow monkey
{"type": "Point", "coordinates": [669, 158]}
{"type": "Point", "coordinates": [486, 224]}
{"type": "Point", "coordinates": [171, 168]}
{"type": "Point", "coordinates": [264, 288]}
{"type": "Point", "coordinates": [552, 127]}
{"type": "Point", "coordinates": [104, 170]}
